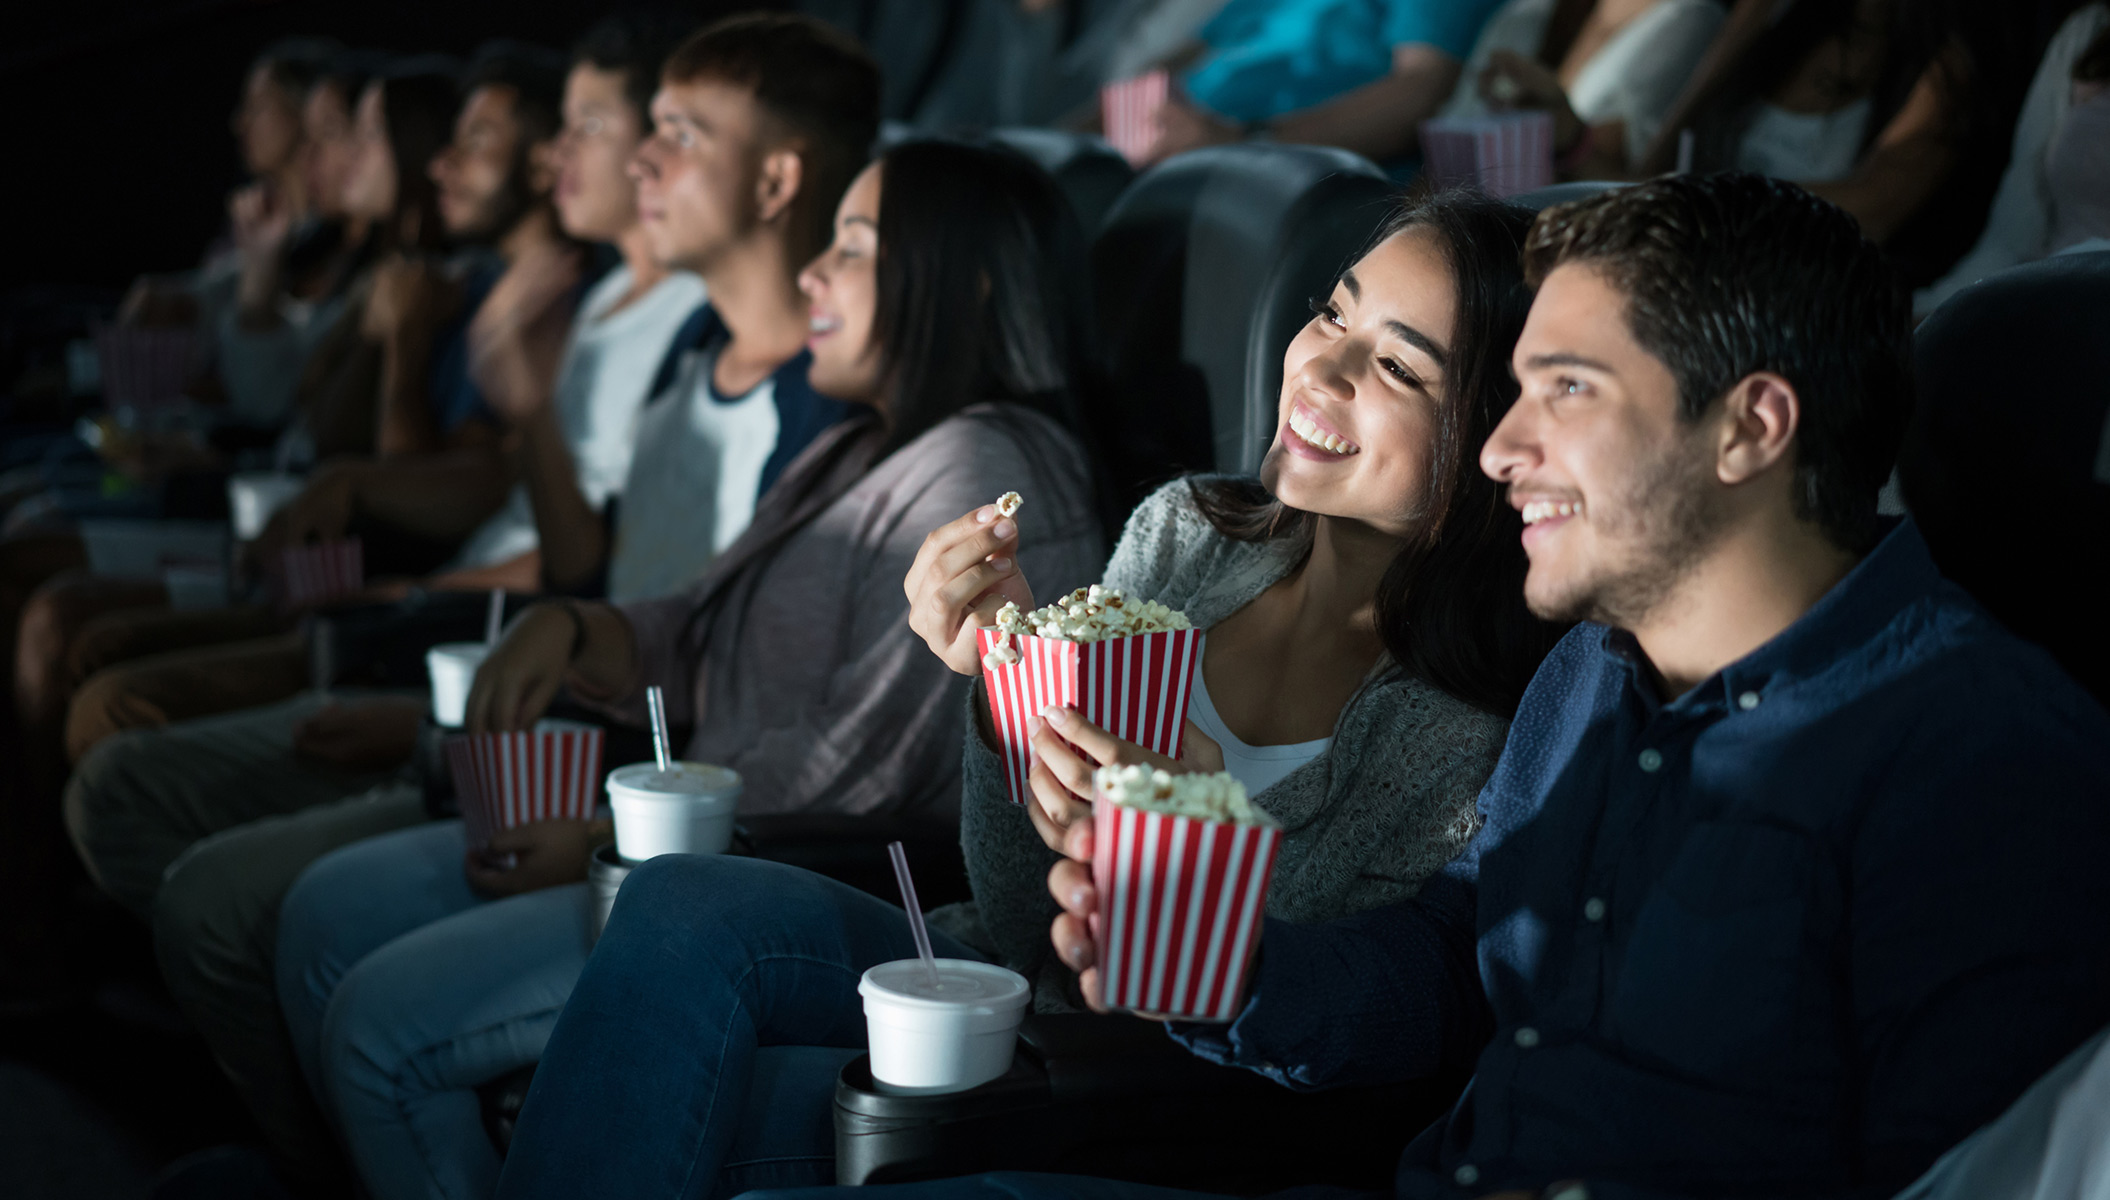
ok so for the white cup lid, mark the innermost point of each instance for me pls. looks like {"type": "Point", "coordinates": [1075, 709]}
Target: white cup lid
{"type": "Point", "coordinates": [976, 987]}
{"type": "Point", "coordinates": [683, 778]}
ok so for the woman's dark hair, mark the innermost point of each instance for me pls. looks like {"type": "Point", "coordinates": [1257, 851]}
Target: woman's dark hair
{"type": "Point", "coordinates": [981, 287]}
{"type": "Point", "coordinates": [981, 298]}
{"type": "Point", "coordinates": [1451, 606]}
{"type": "Point", "coordinates": [418, 105]}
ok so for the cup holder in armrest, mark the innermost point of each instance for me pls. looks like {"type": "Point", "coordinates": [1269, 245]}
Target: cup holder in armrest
{"type": "Point", "coordinates": [1116, 1098]}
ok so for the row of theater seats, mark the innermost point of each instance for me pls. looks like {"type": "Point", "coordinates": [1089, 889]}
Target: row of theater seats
{"type": "Point", "coordinates": [1202, 268]}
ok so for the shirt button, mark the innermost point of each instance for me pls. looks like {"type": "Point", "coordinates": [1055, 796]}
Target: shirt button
{"type": "Point", "coordinates": [1747, 701]}
{"type": "Point", "coordinates": [1467, 1175]}
{"type": "Point", "coordinates": [1651, 759]}
{"type": "Point", "coordinates": [1527, 1037]}
{"type": "Point", "coordinates": [1593, 909]}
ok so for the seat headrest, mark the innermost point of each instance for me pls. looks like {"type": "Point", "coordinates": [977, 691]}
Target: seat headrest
{"type": "Point", "coordinates": [1090, 172]}
{"type": "Point", "coordinates": [1232, 241]}
{"type": "Point", "coordinates": [2008, 457]}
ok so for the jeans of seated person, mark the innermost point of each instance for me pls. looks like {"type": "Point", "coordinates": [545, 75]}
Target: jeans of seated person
{"type": "Point", "coordinates": [404, 990]}
{"type": "Point", "coordinates": [139, 800]}
{"type": "Point", "coordinates": [2052, 1144]}
{"type": "Point", "coordinates": [158, 690]}
{"type": "Point", "coordinates": [1021, 1185]}
{"type": "Point", "coordinates": [216, 937]}
{"type": "Point", "coordinates": [710, 965]}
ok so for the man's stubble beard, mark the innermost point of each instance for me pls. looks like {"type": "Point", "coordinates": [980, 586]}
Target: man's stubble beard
{"type": "Point", "coordinates": [1665, 520]}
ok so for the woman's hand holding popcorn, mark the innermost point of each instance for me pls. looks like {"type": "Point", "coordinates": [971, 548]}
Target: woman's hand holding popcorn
{"type": "Point", "coordinates": [964, 573]}
{"type": "Point", "coordinates": [1067, 749]}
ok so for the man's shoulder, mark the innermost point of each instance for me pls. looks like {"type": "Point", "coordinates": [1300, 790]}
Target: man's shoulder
{"type": "Point", "coordinates": [1948, 663]}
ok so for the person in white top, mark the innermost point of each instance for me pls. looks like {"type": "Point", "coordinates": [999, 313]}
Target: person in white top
{"type": "Point", "coordinates": [2029, 219]}
{"type": "Point", "coordinates": [1608, 78]}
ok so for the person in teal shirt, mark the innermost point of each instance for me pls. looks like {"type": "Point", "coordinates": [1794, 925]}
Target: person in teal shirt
{"type": "Point", "coordinates": [1358, 74]}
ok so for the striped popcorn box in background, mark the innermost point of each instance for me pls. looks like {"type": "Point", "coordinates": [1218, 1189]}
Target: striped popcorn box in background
{"type": "Point", "coordinates": [1135, 688]}
{"type": "Point", "coordinates": [143, 368]}
{"type": "Point", "coordinates": [1503, 154]}
{"type": "Point", "coordinates": [1180, 902]}
{"type": "Point", "coordinates": [508, 779]}
{"type": "Point", "coordinates": [1128, 113]}
{"type": "Point", "coordinates": [319, 572]}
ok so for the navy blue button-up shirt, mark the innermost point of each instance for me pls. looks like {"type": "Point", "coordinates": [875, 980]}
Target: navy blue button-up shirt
{"type": "Point", "coordinates": [1792, 933]}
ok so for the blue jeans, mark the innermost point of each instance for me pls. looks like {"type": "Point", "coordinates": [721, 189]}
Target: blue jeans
{"type": "Point", "coordinates": [699, 1052]}
{"type": "Point", "coordinates": [404, 990]}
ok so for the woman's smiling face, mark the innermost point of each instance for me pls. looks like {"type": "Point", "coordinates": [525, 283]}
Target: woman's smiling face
{"type": "Point", "coordinates": [1362, 388]}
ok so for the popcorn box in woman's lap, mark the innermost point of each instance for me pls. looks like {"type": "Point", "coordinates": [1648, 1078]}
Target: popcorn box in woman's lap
{"type": "Point", "coordinates": [509, 779]}
{"type": "Point", "coordinates": [319, 572]}
{"type": "Point", "coordinates": [1135, 688]}
{"type": "Point", "coordinates": [1180, 904]}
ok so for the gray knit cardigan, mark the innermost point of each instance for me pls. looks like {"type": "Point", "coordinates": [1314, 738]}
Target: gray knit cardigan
{"type": "Point", "coordinates": [1388, 803]}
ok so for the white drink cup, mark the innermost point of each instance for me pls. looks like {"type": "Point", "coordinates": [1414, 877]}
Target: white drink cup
{"type": "Point", "coordinates": [687, 809]}
{"type": "Point", "coordinates": [254, 496]}
{"type": "Point", "coordinates": [452, 667]}
{"type": "Point", "coordinates": [959, 1035]}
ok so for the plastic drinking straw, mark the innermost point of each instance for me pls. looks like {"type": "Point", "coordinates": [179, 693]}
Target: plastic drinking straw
{"type": "Point", "coordinates": [656, 704]}
{"type": "Point", "coordinates": [495, 616]}
{"type": "Point", "coordinates": [896, 852]}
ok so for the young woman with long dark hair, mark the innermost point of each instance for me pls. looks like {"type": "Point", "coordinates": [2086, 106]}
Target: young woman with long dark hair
{"type": "Point", "coordinates": [1365, 615]}
{"type": "Point", "coordinates": [946, 317]}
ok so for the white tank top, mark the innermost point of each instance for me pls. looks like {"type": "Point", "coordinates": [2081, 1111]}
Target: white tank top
{"type": "Point", "coordinates": [1257, 767]}
{"type": "Point", "coordinates": [1804, 147]}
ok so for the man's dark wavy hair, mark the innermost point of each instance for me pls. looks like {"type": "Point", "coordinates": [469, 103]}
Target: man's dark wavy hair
{"type": "Point", "coordinates": [1731, 274]}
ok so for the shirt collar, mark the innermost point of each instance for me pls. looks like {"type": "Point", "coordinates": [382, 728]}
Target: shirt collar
{"type": "Point", "coordinates": [1898, 572]}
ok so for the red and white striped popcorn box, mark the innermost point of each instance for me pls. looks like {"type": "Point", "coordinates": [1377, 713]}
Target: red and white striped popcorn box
{"type": "Point", "coordinates": [1180, 902]}
{"type": "Point", "coordinates": [320, 572]}
{"type": "Point", "coordinates": [508, 779]}
{"type": "Point", "coordinates": [1135, 688]}
{"type": "Point", "coordinates": [144, 368]}
{"type": "Point", "coordinates": [1129, 112]}
{"type": "Point", "coordinates": [1503, 153]}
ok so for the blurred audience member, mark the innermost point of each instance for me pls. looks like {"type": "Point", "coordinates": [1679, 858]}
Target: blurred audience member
{"type": "Point", "coordinates": [1896, 110]}
{"type": "Point", "coordinates": [1359, 74]}
{"type": "Point", "coordinates": [1608, 71]}
{"type": "Point", "coordinates": [438, 473]}
{"type": "Point", "coordinates": [203, 825]}
{"type": "Point", "coordinates": [2055, 195]}
{"type": "Point", "coordinates": [267, 129]}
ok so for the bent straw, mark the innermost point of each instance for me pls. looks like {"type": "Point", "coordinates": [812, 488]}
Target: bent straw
{"type": "Point", "coordinates": [495, 616]}
{"type": "Point", "coordinates": [656, 704]}
{"type": "Point", "coordinates": [915, 911]}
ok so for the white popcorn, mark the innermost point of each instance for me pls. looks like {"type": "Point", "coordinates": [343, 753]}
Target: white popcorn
{"type": "Point", "coordinates": [1092, 614]}
{"type": "Point", "coordinates": [1213, 797]}
{"type": "Point", "coordinates": [1003, 654]}
{"type": "Point", "coordinates": [1008, 504]}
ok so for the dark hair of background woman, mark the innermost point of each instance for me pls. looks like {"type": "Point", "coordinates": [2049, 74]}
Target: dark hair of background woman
{"type": "Point", "coordinates": [418, 106]}
{"type": "Point", "coordinates": [982, 293]}
{"type": "Point", "coordinates": [1451, 606]}
{"type": "Point", "coordinates": [981, 301]}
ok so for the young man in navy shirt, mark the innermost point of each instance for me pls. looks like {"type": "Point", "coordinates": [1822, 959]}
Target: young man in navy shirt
{"type": "Point", "coordinates": [1791, 873]}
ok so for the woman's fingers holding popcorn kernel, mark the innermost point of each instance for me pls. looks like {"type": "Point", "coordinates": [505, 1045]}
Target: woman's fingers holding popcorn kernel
{"type": "Point", "coordinates": [963, 573]}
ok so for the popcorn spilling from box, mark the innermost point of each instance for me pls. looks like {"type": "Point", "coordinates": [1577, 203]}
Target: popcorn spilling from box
{"type": "Point", "coordinates": [1205, 797]}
